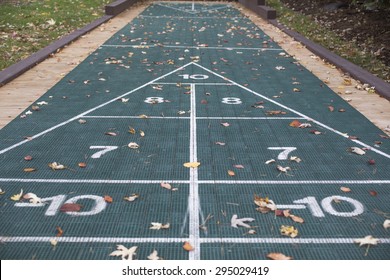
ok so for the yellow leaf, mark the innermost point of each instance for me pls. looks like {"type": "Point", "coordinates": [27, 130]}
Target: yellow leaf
{"type": "Point", "coordinates": [187, 246]}
{"type": "Point", "coordinates": [131, 130]}
{"type": "Point", "coordinates": [289, 231]}
{"type": "Point", "coordinates": [191, 164]}
{"type": "Point", "coordinates": [17, 197]}
{"type": "Point", "coordinates": [231, 173]}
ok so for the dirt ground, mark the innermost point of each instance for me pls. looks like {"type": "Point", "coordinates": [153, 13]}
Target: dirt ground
{"type": "Point", "coordinates": [367, 27]}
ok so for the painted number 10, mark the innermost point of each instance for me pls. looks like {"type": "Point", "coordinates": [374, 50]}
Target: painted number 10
{"type": "Point", "coordinates": [194, 77]}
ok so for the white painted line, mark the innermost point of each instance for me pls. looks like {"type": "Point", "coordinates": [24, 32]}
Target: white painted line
{"type": "Point", "coordinates": [192, 11]}
{"type": "Point", "coordinates": [188, 17]}
{"type": "Point", "coordinates": [198, 118]}
{"type": "Point", "coordinates": [295, 182]}
{"type": "Point", "coordinates": [225, 182]}
{"type": "Point", "coordinates": [296, 112]}
{"type": "Point", "coordinates": [193, 199]}
{"type": "Point", "coordinates": [90, 110]}
{"type": "Point", "coordinates": [290, 206]}
{"type": "Point", "coordinates": [92, 181]}
{"type": "Point", "coordinates": [75, 239]}
{"type": "Point", "coordinates": [192, 47]}
{"type": "Point", "coordinates": [287, 240]}
{"type": "Point", "coordinates": [197, 83]}
{"type": "Point", "coordinates": [134, 117]}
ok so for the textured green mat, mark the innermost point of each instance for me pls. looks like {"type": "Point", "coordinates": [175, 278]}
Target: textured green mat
{"type": "Point", "coordinates": [177, 75]}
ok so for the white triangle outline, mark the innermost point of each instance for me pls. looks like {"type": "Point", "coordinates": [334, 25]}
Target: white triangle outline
{"type": "Point", "coordinates": [215, 74]}
{"type": "Point", "coordinates": [192, 12]}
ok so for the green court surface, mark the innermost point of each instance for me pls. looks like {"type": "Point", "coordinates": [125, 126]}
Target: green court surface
{"type": "Point", "coordinates": [208, 86]}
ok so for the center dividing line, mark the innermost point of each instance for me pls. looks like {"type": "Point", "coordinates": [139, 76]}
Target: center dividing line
{"type": "Point", "coordinates": [191, 47]}
{"type": "Point", "coordinates": [193, 199]}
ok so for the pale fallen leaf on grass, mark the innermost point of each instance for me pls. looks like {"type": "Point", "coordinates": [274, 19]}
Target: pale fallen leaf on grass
{"type": "Point", "coordinates": [357, 151]}
{"type": "Point", "coordinates": [133, 145]}
{"type": "Point", "coordinates": [56, 166]}
{"type": "Point", "coordinates": [154, 256]}
{"type": "Point", "coordinates": [191, 164]}
{"type": "Point", "coordinates": [51, 22]}
{"type": "Point", "coordinates": [123, 252]}
{"type": "Point", "coordinates": [33, 198]}
{"type": "Point", "coordinates": [132, 197]}
{"type": "Point", "coordinates": [345, 189]}
{"type": "Point", "coordinates": [278, 256]}
{"type": "Point", "coordinates": [289, 231]}
{"type": "Point", "coordinates": [386, 224]}
{"type": "Point", "coordinates": [158, 226]}
{"type": "Point", "coordinates": [168, 186]}
{"type": "Point", "coordinates": [17, 197]}
{"type": "Point", "coordinates": [236, 222]}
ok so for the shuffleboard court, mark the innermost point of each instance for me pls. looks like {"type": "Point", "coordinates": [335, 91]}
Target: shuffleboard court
{"type": "Point", "coordinates": [192, 85]}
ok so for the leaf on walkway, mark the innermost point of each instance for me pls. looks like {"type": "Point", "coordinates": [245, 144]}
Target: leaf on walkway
{"type": "Point", "coordinates": [295, 123]}
{"type": "Point", "coordinates": [60, 232]}
{"type": "Point", "coordinates": [187, 246]}
{"type": "Point", "coordinates": [278, 256]}
{"type": "Point", "coordinates": [123, 252]}
{"type": "Point", "coordinates": [108, 199]}
{"type": "Point", "coordinates": [56, 166]}
{"type": "Point", "coordinates": [17, 197]}
{"type": "Point", "coordinates": [191, 164]}
{"type": "Point", "coordinates": [231, 173]}
{"type": "Point", "coordinates": [236, 222]}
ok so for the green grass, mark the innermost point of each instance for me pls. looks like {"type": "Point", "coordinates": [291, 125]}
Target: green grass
{"type": "Point", "coordinates": [330, 40]}
{"type": "Point", "coordinates": [34, 24]}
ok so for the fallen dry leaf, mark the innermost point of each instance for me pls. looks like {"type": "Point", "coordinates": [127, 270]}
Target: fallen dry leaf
{"type": "Point", "coordinates": [283, 169]}
{"type": "Point", "coordinates": [316, 132]}
{"type": "Point", "coordinates": [82, 164]}
{"type": "Point", "coordinates": [265, 204]}
{"type": "Point", "coordinates": [225, 124]}
{"type": "Point", "coordinates": [2, 192]}
{"type": "Point", "coordinates": [236, 222]}
{"type": "Point", "coordinates": [270, 161]}
{"type": "Point", "coordinates": [373, 193]}
{"type": "Point", "coordinates": [296, 159]}
{"type": "Point", "coordinates": [141, 133]}
{"type": "Point", "coordinates": [276, 113]}
{"type": "Point", "coordinates": [289, 231]}
{"type": "Point", "coordinates": [154, 256]}
{"type": "Point", "coordinates": [357, 151]}
{"type": "Point", "coordinates": [56, 166]}
{"type": "Point", "coordinates": [296, 219]}
{"type": "Point", "coordinates": [278, 256]}
{"type": "Point", "coordinates": [71, 207]}
{"type": "Point", "coordinates": [110, 133]}
{"type": "Point", "coordinates": [295, 123]}
{"type": "Point", "coordinates": [231, 173]}
{"type": "Point", "coordinates": [220, 143]}
{"type": "Point", "coordinates": [133, 145]}
{"type": "Point", "coordinates": [33, 198]}
{"type": "Point", "coordinates": [60, 232]}
{"type": "Point", "coordinates": [345, 189]}
{"type": "Point", "coordinates": [29, 169]}
{"type": "Point", "coordinates": [238, 166]}
{"type": "Point", "coordinates": [123, 252]}
{"type": "Point", "coordinates": [132, 130]}
{"type": "Point", "coordinates": [386, 224]}
{"type": "Point", "coordinates": [331, 108]}
{"type": "Point", "coordinates": [17, 197]}
{"type": "Point", "coordinates": [168, 186]}
{"type": "Point", "coordinates": [191, 164]}
{"type": "Point", "coordinates": [187, 246]}
{"type": "Point", "coordinates": [28, 158]}
{"type": "Point", "coordinates": [108, 199]}
{"type": "Point", "coordinates": [371, 162]}
{"type": "Point", "coordinates": [368, 240]}
{"type": "Point", "coordinates": [158, 226]}
{"type": "Point", "coordinates": [132, 197]}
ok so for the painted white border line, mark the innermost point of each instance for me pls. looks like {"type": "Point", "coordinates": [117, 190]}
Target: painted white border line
{"type": "Point", "coordinates": [198, 118]}
{"type": "Point", "coordinates": [186, 17]}
{"type": "Point", "coordinates": [223, 182]}
{"type": "Point", "coordinates": [194, 12]}
{"type": "Point", "coordinates": [74, 239]}
{"type": "Point", "coordinates": [190, 47]}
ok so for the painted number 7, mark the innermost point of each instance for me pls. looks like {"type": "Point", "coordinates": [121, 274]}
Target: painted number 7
{"type": "Point", "coordinates": [285, 151]}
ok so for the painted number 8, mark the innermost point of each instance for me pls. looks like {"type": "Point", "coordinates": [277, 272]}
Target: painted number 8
{"type": "Point", "coordinates": [231, 100]}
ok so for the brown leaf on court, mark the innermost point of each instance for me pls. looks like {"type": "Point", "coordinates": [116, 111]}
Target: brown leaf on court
{"type": "Point", "coordinates": [70, 207]}
{"type": "Point", "coordinates": [82, 164]}
{"type": "Point", "coordinates": [203, 101]}
{"type": "Point", "coordinates": [373, 193]}
{"type": "Point", "coordinates": [231, 173]}
{"type": "Point", "coordinates": [345, 189]}
{"type": "Point", "coordinates": [271, 113]}
{"type": "Point", "coordinates": [29, 169]}
{"type": "Point", "coordinates": [187, 246]}
{"type": "Point", "coordinates": [60, 232]}
{"type": "Point", "coordinates": [28, 158]}
{"type": "Point", "coordinates": [191, 164]}
{"type": "Point", "coordinates": [131, 130]}
{"type": "Point", "coordinates": [297, 219]}
{"type": "Point", "coordinates": [295, 123]}
{"type": "Point", "coordinates": [331, 108]}
{"type": "Point", "coordinates": [108, 199]}
{"type": "Point", "coordinates": [278, 256]}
